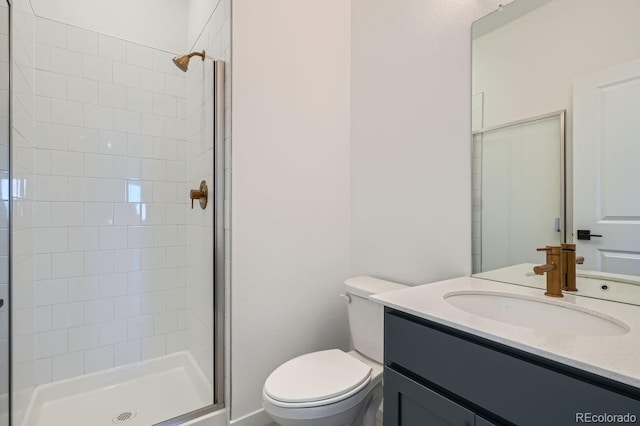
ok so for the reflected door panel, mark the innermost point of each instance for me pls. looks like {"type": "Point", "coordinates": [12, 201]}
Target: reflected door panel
{"type": "Point", "coordinates": [606, 173]}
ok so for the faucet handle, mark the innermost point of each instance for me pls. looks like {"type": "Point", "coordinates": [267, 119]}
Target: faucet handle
{"type": "Point", "coordinates": [579, 260]}
{"type": "Point", "coordinates": [541, 269]}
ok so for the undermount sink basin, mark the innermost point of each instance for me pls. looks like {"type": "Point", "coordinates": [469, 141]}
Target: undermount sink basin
{"type": "Point", "coordinates": [538, 314]}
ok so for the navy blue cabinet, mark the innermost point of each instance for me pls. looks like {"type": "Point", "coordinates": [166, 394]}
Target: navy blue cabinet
{"type": "Point", "coordinates": [437, 375]}
{"type": "Point", "coordinates": [417, 405]}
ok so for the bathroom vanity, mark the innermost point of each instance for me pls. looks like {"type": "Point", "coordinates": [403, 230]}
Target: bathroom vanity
{"type": "Point", "coordinates": [444, 365]}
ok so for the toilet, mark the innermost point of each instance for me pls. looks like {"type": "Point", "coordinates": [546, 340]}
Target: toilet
{"type": "Point", "coordinates": [333, 387]}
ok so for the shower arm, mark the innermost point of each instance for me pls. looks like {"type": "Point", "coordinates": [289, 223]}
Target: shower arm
{"type": "Point", "coordinates": [192, 54]}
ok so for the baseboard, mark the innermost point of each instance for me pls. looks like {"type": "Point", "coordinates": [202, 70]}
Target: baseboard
{"type": "Point", "coordinates": [261, 418]}
{"type": "Point", "coordinates": [257, 418]}
{"type": "Point", "coordinates": [219, 418]}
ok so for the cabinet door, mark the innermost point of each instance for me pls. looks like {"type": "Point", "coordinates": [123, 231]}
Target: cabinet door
{"type": "Point", "coordinates": [408, 403]}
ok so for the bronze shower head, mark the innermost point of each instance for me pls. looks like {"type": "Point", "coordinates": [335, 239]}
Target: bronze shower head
{"type": "Point", "coordinates": [182, 62]}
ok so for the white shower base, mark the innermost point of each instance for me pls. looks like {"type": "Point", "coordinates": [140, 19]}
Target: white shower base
{"type": "Point", "coordinates": [141, 394]}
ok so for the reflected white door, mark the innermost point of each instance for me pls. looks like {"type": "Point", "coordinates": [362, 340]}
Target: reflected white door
{"type": "Point", "coordinates": [606, 164]}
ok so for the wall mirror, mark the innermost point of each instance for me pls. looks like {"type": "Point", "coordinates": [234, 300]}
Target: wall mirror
{"type": "Point", "coordinates": [556, 135]}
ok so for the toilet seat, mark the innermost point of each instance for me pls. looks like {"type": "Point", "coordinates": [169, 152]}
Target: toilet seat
{"type": "Point", "coordinates": [315, 379]}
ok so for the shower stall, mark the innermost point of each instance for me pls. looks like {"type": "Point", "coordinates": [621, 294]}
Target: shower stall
{"type": "Point", "coordinates": [112, 230]}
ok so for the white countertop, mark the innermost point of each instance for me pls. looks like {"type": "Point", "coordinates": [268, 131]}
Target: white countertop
{"type": "Point", "coordinates": [615, 357]}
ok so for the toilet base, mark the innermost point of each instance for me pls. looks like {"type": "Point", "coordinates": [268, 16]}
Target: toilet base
{"type": "Point", "coordinates": [370, 410]}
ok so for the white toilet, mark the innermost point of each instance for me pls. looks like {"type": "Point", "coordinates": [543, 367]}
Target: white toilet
{"type": "Point", "coordinates": [333, 387]}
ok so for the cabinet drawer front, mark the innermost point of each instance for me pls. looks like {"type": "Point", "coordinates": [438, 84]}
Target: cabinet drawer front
{"type": "Point", "coordinates": [505, 385]}
{"type": "Point", "coordinates": [408, 403]}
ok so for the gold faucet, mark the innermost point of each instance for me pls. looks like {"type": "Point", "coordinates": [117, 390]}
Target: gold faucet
{"type": "Point", "coordinates": [553, 269]}
{"type": "Point", "coordinates": [560, 269]}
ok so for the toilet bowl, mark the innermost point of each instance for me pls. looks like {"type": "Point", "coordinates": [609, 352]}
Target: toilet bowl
{"type": "Point", "coordinates": [333, 387]}
{"type": "Point", "coordinates": [327, 388]}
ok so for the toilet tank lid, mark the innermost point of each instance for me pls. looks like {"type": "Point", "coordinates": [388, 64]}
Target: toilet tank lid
{"type": "Point", "coordinates": [365, 286]}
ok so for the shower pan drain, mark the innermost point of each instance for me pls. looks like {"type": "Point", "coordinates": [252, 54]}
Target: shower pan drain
{"type": "Point", "coordinates": [124, 417]}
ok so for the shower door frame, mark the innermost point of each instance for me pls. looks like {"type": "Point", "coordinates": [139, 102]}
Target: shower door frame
{"type": "Point", "coordinates": [218, 252]}
{"type": "Point", "coordinates": [9, 301]}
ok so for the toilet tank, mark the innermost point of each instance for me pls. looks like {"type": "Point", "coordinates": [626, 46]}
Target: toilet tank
{"type": "Point", "coordinates": [366, 318]}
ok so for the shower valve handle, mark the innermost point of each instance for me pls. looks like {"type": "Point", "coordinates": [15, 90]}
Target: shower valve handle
{"type": "Point", "coordinates": [202, 195]}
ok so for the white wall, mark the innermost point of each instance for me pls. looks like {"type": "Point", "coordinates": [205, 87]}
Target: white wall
{"type": "Point", "coordinates": [290, 189]}
{"type": "Point", "coordinates": [157, 23]}
{"type": "Point", "coordinates": [411, 138]}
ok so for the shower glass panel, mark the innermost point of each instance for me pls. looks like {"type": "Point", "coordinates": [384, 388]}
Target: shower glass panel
{"type": "Point", "coordinates": [4, 214]}
{"type": "Point", "coordinates": [117, 282]}
{"type": "Point", "coordinates": [518, 176]}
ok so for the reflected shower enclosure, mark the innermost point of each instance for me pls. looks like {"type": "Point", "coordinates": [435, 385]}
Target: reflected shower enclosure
{"type": "Point", "coordinates": [113, 286]}
{"type": "Point", "coordinates": [518, 181]}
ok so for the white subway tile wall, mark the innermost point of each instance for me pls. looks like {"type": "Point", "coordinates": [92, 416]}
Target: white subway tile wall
{"type": "Point", "coordinates": [111, 202]}
{"type": "Point", "coordinates": [215, 39]}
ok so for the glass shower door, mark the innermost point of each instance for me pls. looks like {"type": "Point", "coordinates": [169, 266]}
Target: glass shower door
{"type": "Point", "coordinates": [4, 214]}
{"type": "Point", "coordinates": [519, 179]}
{"type": "Point", "coordinates": [116, 285]}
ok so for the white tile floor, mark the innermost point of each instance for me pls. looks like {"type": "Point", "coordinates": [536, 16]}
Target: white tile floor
{"type": "Point", "coordinates": [136, 395]}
